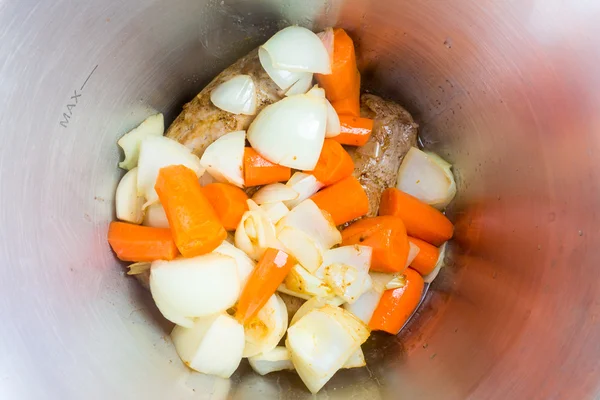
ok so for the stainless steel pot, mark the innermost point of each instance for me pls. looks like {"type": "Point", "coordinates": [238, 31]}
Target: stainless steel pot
{"type": "Point", "coordinates": [506, 90]}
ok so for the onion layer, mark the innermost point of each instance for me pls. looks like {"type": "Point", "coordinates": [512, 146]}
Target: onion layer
{"type": "Point", "coordinates": [298, 49]}
{"type": "Point", "coordinates": [128, 204]}
{"type": "Point", "coordinates": [322, 341]}
{"type": "Point", "coordinates": [264, 331]}
{"type": "Point", "coordinates": [305, 185]}
{"type": "Point", "coordinates": [237, 95]}
{"type": "Point", "coordinates": [194, 287]}
{"type": "Point", "coordinates": [224, 158]}
{"type": "Point", "coordinates": [158, 152]}
{"type": "Point", "coordinates": [154, 125]}
{"type": "Point", "coordinates": [291, 132]}
{"type": "Point", "coordinates": [277, 359]}
{"type": "Point", "coordinates": [427, 177]}
{"type": "Point", "coordinates": [212, 345]}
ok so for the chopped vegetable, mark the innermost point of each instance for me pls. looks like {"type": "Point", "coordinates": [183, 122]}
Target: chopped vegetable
{"type": "Point", "coordinates": [156, 153]}
{"type": "Point", "coordinates": [397, 305]}
{"type": "Point", "coordinates": [193, 221]}
{"type": "Point", "coordinates": [260, 171]}
{"type": "Point", "coordinates": [224, 158]}
{"type": "Point", "coordinates": [346, 270]}
{"type": "Point", "coordinates": [154, 125]}
{"type": "Point", "coordinates": [302, 86]}
{"type": "Point", "coordinates": [387, 236]}
{"type": "Point", "coordinates": [397, 282]}
{"type": "Point", "coordinates": [421, 220]}
{"type": "Point", "coordinates": [274, 193]}
{"type": "Point", "coordinates": [438, 266]}
{"type": "Point", "coordinates": [354, 131]}
{"type": "Point", "coordinates": [334, 163]}
{"type": "Point", "coordinates": [333, 122]}
{"type": "Point", "coordinates": [322, 341]}
{"type": "Point", "coordinates": [141, 243]}
{"type": "Point", "coordinates": [256, 232]}
{"type": "Point", "coordinates": [155, 216]}
{"type": "Point", "coordinates": [237, 95]}
{"type": "Point", "coordinates": [128, 204]}
{"type": "Point", "coordinates": [266, 329]}
{"type": "Point", "coordinates": [327, 38]}
{"type": "Point", "coordinates": [315, 303]}
{"type": "Point", "coordinates": [427, 177]}
{"type": "Point", "coordinates": [275, 211]}
{"type": "Point", "coordinates": [305, 184]}
{"type": "Point", "coordinates": [301, 246]}
{"type": "Point", "coordinates": [299, 280]}
{"type": "Point", "coordinates": [298, 49]}
{"type": "Point", "coordinates": [344, 201]}
{"type": "Point", "coordinates": [277, 359]}
{"type": "Point", "coordinates": [187, 288]}
{"type": "Point", "coordinates": [341, 82]}
{"type": "Point", "coordinates": [364, 307]}
{"type": "Point", "coordinates": [283, 289]}
{"type": "Point", "coordinates": [228, 201]}
{"type": "Point", "coordinates": [427, 257]}
{"type": "Point", "coordinates": [356, 360]}
{"type": "Point", "coordinates": [306, 231]}
{"type": "Point", "coordinates": [244, 264]}
{"type": "Point", "coordinates": [303, 118]}
{"type": "Point", "coordinates": [283, 78]}
{"type": "Point", "coordinates": [268, 274]}
{"type": "Point", "coordinates": [212, 345]}
{"type": "Point", "coordinates": [350, 105]}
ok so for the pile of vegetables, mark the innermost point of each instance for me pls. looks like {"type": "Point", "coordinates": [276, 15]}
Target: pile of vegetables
{"type": "Point", "coordinates": [217, 258]}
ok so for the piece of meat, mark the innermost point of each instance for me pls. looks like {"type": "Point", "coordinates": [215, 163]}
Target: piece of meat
{"type": "Point", "coordinates": [376, 163]}
{"type": "Point", "coordinates": [201, 123]}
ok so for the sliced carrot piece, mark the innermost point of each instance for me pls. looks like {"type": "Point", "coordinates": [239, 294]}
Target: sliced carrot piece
{"type": "Point", "coordinates": [334, 163]}
{"type": "Point", "coordinates": [268, 274]}
{"type": "Point", "coordinates": [141, 243]}
{"type": "Point", "coordinates": [344, 201]}
{"type": "Point", "coordinates": [422, 221]}
{"type": "Point", "coordinates": [426, 259]}
{"type": "Point", "coordinates": [260, 171]}
{"type": "Point", "coordinates": [397, 305]}
{"type": "Point", "coordinates": [387, 236]}
{"type": "Point", "coordinates": [338, 85]}
{"type": "Point", "coordinates": [228, 201]}
{"type": "Point", "coordinates": [355, 131]}
{"type": "Point", "coordinates": [349, 105]}
{"type": "Point", "coordinates": [193, 221]}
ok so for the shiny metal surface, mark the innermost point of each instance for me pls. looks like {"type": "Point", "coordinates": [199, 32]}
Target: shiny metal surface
{"type": "Point", "coordinates": [507, 90]}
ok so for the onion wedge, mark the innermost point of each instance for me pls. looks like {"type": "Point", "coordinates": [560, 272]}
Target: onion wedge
{"type": "Point", "coordinates": [224, 158]}
{"type": "Point", "coordinates": [237, 95]}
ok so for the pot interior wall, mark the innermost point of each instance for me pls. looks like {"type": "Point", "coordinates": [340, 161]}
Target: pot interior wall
{"type": "Point", "coordinates": [506, 91]}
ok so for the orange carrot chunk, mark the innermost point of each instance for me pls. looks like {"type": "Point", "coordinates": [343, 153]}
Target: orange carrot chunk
{"type": "Point", "coordinates": [228, 201]}
{"type": "Point", "coordinates": [334, 163]}
{"type": "Point", "coordinates": [426, 259]}
{"type": "Point", "coordinates": [349, 105]}
{"type": "Point", "coordinates": [344, 201]}
{"type": "Point", "coordinates": [260, 171]}
{"type": "Point", "coordinates": [193, 221]}
{"type": "Point", "coordinates": [397, 305]}
{"type": "Point", "coordinates": [422, 221]}
{"type": "Point", "coordinates": [340, 84]}
{"type": "Point", "coordinates": [141, 243]}
{"type": "Point", "coordinates": [386, 236]}
{"type": "Point", "coordinates": [268, 274]}
{"type": "Point", "coordinates": [355, 131]}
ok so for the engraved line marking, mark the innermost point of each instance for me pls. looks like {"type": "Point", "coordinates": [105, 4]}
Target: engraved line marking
{"type": "Point", "coordinates": [88, 78]}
